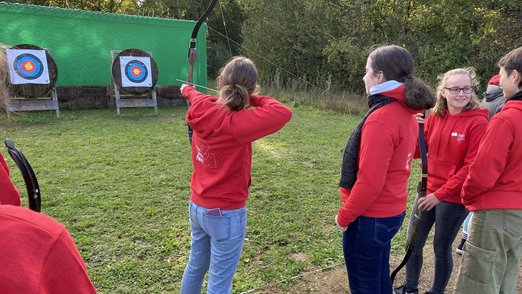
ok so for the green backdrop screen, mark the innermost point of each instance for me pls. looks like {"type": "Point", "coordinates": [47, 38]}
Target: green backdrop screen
{"type": "Point", "coordinates": [80, 42]}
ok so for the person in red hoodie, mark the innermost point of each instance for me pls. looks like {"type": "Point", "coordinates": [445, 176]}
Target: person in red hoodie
{"type": "Point", "coordinates": [376, 167]}
{"type": "Point", "coordinates": [493, 101]}
{"type": "Point", "coordinates": [224, 129]}
{"type": "Point", "coordinates": [493, 191]}
{"type": "Point", "coordinates": [37, 254]}
{"type": "Point", "coordinates": [9, 194]}
{"type": "Point", "coordinates": [453, 132]}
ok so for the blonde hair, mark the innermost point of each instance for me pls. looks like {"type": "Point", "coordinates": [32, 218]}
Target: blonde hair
{"type": "Point", "coordinates": [442, 104]}
{"type": "Point", "coordinates": [238, 80]}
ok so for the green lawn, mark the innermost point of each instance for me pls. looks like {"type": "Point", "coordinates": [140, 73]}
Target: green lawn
{"type": "Point", "coordinates": [121, 186]}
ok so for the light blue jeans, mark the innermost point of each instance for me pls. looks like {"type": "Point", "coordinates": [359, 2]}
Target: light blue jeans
{"type": "Point", "coordinates": [217, 242]}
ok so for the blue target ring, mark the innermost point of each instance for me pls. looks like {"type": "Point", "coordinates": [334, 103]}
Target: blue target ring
{"type": "Point", "coordinates": [28, 66]}
{"type": "Point", "coordinates": [136, 71]}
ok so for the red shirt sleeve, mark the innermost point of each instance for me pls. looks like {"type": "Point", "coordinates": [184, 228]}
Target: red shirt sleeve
{"type": "Point", "coordinates": [194, 96]}
{"type": "Point", "coordinates": [267, 117]}
{"type": "Point", "coordinates": [490, 160]}
{"type": "Point", "coordinates": [8, 192]}
{"type": "Point", "coordinates": [64, 269]}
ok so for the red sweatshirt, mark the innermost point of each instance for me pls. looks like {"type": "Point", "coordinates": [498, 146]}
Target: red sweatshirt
{"type": "Point", "coordinates": [37, 255]}
{"type": "Point", "coordinates": [452, 142]}
{"type": "Point", "coordinates": [8, 192]}
{"type": "Point", "coordinates": [222, 146]}
{"type": "Point", "coordinates": [388, 141]}
{"type": "Point", "coordinates": [494, 180]}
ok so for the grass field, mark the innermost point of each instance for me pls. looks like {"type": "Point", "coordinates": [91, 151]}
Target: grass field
{"type": "Point", "coordinates": [121, 186]}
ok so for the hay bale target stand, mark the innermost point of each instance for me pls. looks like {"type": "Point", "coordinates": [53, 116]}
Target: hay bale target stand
{"type": "Point", "coordinates": [133, 79]}
{"type": "Point", "coordinates": [32, 78]}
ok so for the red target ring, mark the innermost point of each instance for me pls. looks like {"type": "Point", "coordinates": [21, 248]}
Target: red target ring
{"type": "Point", "coordinates": [28, 66]}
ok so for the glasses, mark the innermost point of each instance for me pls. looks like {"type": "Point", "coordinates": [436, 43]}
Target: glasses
{"type": "Point", "coordinates": [457, 90]}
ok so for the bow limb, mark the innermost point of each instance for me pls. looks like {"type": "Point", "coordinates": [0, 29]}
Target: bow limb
{"type": "Point", "coordinates": [192, 54]}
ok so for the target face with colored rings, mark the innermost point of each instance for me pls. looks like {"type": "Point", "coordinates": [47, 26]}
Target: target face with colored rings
{"type": "Point", "coordinates": [136, 71]}
{"type": "Point", "coordinates": [28, 66]}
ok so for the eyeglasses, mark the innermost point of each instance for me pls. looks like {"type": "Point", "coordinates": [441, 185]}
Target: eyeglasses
{"type": "Point", "coordinates": [457, 90]}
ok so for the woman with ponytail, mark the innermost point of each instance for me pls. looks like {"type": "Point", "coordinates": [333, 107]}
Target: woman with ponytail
{"type": "Point", "coordinates": [376, 167]}
{"type": "Point", "coordinates": [224, 129]}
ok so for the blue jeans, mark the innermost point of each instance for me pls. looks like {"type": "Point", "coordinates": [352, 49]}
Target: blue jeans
{"type": "Point", "coordinates": [447, 217]}
{"type": "Point", "coordinates": [217, 242]}
{"type": "Point", "coordinates": [366, 247]}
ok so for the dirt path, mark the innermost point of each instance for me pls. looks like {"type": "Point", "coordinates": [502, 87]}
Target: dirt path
{"type": "Point", "coordinates": [334, 280]}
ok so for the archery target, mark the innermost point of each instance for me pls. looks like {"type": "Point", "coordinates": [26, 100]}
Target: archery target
{"type": "Point", "coordinates": [135, 71]}
{"type": "Point", "coordinates": [27, 66]}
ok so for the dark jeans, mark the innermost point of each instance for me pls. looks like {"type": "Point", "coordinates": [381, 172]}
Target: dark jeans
{"type": "Point", "coordinates": [366, 247]}
{"type": "Point", "coordinates": [448, 217]}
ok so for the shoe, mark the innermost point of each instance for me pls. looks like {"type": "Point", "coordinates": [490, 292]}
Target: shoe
{"type": "Point", "coordinates": [460, 247]}
{"type": "Point", "coordinates": [402, 290]}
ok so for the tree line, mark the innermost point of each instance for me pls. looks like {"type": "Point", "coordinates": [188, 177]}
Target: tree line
{"type": "Point", "coordinates": [325, 42]}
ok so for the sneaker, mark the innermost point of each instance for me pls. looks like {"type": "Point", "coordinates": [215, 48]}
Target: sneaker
{"type": "Point", "coordinates": [460, 247]}
{"type": "Point", "coordinates": [402, 290]}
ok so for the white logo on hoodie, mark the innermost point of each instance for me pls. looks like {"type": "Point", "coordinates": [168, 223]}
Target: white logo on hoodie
{"type": "Point", "coordinates": [204, 154]}
{"type": "Point", "coordinates": [459, 137]}
{"type": "Point", "coordinates": [408, 162]}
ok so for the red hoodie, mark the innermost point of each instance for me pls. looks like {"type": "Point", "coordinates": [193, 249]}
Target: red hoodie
{"type": "Point", "coordinates": [8, 192]}
{"type": "Point", "coordinates": [222, 146]}
{"type": "Point", "coordinates": [494, 180]}
{"type": "Point", "coordinates": [388, 140]}
{"type": "Point", "coordinates": [452, 142]}
{"type": "Point", "coordinates": [37, 255]}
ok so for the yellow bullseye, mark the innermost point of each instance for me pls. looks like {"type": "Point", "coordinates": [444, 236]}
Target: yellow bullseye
{"type": "Point", "coordinates": [28, 66]}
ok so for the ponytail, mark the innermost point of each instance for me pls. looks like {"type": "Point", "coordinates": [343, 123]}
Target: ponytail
{"type": "Point", "coordinates": [235, 97]}
{"type": "Point", "coordinates": [396, 63]}
{"type": "Point", "coordinates": [418, 94]}
{"type": "Point", "coordinates": [238, 80]}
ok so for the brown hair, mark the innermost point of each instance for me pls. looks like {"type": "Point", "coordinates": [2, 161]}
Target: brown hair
{"type": "Point", "coordinates": [396, 63]}
{"type": "Point", "coordinates": [442, 103]}
{"type": "Point", "coordinates": [238, 80]}
{"type": "Point", "coordinates": [512, 61]}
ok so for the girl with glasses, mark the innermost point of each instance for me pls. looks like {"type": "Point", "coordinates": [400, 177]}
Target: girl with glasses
{"type": "Point", "coordinates": [453, 132]}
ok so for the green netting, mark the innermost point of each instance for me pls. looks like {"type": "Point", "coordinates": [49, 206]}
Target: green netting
{"type": "Point", "coordinates": [80, 41]}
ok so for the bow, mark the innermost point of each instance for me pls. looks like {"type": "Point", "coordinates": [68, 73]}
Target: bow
{"type": "Point", "coordinates": [31, 183]}
{"type": "Point", "coordinates": [417, 213]}
{"type": "Point", "coordinates": [192, 53]}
